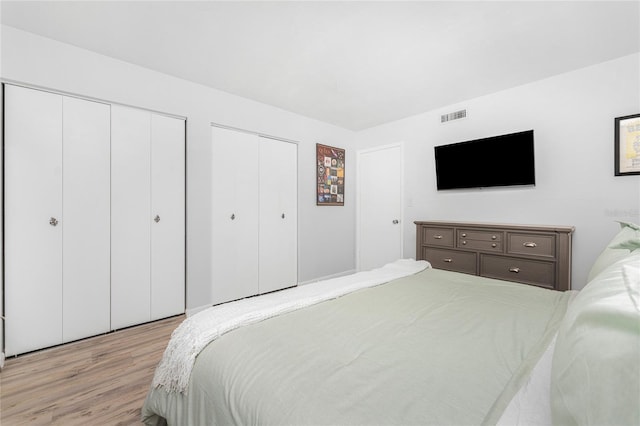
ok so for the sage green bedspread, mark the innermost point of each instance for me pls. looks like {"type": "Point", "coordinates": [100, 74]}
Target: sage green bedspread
{"type": "Point", "coordinates": [435, 348]}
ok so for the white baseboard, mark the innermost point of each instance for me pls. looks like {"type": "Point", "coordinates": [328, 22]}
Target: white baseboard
{"type": "Point", "coordinates": [193, 311]}
{"type": "Point", "coordinates": [328, 277]}
{"type": "Point", "coordinates": [1, 360]}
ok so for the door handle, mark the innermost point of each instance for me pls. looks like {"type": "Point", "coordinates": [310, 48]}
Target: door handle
{"type": "Point", "coordinates": [395, 221]}
{"type": "Point", "coordinates": [53, 221]}
{"type": "Point", "coordinates": [156, 219]}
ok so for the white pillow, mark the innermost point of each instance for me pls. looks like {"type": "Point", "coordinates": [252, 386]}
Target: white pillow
{"type": "Point", "coordinates": [595, 375]}
{"type": "Point", "coordinates": [612, 253]}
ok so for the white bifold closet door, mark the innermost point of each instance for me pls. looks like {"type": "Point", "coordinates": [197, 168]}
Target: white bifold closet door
{"type": "Point", "coordinates": [147, 216]}
{"type": "Point", "coordinates": [234, 214]}
{"type": "Point", "coordinates": [254, 214]}
{"type": "Point", "coordinates": [168, 211]}
{"type": "Point", "coordinates": [278, 215]}
{"type": "Point", "coordinates": [56, 218]}
{"type": "Point", "coordinates": [86, 219]}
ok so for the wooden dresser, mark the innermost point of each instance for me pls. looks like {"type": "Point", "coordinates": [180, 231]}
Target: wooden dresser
{"type": "Point", "coordinates": [530, 254]}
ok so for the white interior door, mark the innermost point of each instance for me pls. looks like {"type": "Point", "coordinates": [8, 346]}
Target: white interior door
{"type": "Point", "coordinates": [234, 215]}
{"type": "Point", "coordinates": [167, 210]}
{"type": "Point", "coordinates": [33, 205]}
{"type": "Point", "coordinates": [130, 216]}
{"type": "Point", "coordinates": [379, 206]}
{"type": "Point", "coordinates": [87, 216]}
{"type": "Point", "coordinates": [278, 215]}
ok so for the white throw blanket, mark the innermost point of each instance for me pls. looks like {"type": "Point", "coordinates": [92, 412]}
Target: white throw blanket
{"type": "Point", "coordinates": [198, 331]}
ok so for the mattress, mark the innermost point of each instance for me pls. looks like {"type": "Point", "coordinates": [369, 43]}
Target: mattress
{"type": "Point", "coordinates": [433, 347]}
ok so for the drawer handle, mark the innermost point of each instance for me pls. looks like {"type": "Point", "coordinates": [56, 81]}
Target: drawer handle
{"type": "Point", "coordinates": [437, 237]}
{"type": "Point", "coordinates": [514, 270]}
{"type": "Point", "coordinates": [447, 260]}
{"type": "Point", "coordinates": [530, 244]}
{"type": "Point", "coordinates": [494, 245]}
{"type": "Point", "coordinates": [464, 235]}
{"type": "Point", "coordinates": [493, 237]}
{"type": "Point", "coordinates": [464, 243]}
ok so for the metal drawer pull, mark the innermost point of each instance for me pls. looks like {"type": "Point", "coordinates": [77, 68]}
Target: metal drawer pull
{"type": "Point", "coordinates": [464, 243]}
{"type": "Point", "coordinates": [464, 235]}
{"type": "Point", "coordinates": [494, 245]}
{"type": "Point", "coordinates": [447, 260]}
{"type": "Point", "coordinates": [437, 237]}
{"type": "Point", "coordinates": [530, 244]}
{"type": "Point", "coordinates": [515, 270]}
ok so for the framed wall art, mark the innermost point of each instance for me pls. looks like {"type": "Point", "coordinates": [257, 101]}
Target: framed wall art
{"type": "Point", "coordinates": [330, 175]}
{"type": "Point", "coordinates": [627, 145]}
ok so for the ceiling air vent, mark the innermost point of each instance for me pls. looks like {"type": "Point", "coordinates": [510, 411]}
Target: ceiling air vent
{"type": "Point", "coordinates": [453, 116]}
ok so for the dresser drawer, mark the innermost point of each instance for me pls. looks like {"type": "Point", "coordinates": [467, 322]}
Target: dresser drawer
{"type": "Point", "coordinates": [536, 272]}
{"type": "Point", "coordinates": [543, 245]}
{"type": "Point", "coordinates": [474, 234]}
{"type": "Point", "coordinates": [481, 245]}
{"type": "Point", "coordinates": [451, 260]}
{"type": "Point", "coordinates": [437, 236]}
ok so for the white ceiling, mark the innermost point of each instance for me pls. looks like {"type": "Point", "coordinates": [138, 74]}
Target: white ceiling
{"type": "Point", "coordinates": [353, 64]}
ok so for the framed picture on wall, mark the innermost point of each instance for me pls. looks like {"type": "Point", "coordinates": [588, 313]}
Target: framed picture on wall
{"type": "Point", "coordinates": [627, 145]}
{"type": "Point", "coordinates": [329, 175]}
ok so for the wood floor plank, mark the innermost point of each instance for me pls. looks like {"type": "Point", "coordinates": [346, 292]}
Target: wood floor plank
{"type": "Point", "coordinates": [102, 380]}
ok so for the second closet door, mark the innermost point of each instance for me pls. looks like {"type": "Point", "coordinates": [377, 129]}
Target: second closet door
{"type": "Point", "coordinates": [130, 217]}
{"type": "Point", "coordinates": [278, 215]}
{"type": "Point", "coordinates": [147, 216]}
{"type": "Point", "coordinates": [234, 212]}
{"type": "Point", "coordinates": [167, 209]}
{"type": "Point", "coordinates": [86, 218]}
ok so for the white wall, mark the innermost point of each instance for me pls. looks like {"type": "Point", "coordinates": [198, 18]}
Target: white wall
{"type": "Point", "coordinates": [572, 116]}
{"type": "Point", "coordinates": [326, 234]}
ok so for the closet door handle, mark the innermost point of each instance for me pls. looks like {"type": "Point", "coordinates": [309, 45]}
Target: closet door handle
{"type": "Point", "coordinates": [53, 221]}
{"type": "Point", "coordinates": [283, 215]}
{"type": "Point", "coordinates": [156, 219]}
{"type": "Point", "coordinates": [233, 216]}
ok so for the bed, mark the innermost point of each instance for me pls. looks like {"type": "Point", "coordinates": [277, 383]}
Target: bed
{"type": "Point", "coordinates": [410, 344]}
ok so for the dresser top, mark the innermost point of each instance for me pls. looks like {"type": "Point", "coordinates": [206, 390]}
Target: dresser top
{"type": "Point", "coordinates": [509, 226]}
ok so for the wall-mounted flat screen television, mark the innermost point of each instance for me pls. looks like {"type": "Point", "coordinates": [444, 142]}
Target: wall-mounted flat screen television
{"type": "Point", "coordinates": [503, 160]}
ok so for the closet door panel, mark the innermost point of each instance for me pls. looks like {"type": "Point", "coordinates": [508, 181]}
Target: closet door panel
{"type": "Point", "coordinates": [167, 200]}
{"type": "Point", "coordinates": [235, 211]}
{"type": "Point", "coordinates": [86, 211]}
{"type": "Point", "coordinates": [278, 215]}
{"type": "Point", "coordinates": [130, 216]}
{"type": "Point", "coordinates": [33, 196]}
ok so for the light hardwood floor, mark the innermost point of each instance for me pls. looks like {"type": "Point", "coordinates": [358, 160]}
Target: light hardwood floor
{"type": "Point", "coordinates": [98, 381]}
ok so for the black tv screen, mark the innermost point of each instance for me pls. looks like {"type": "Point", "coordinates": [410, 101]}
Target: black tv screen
{"type": "Point", "coordinates": [495, 161]}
